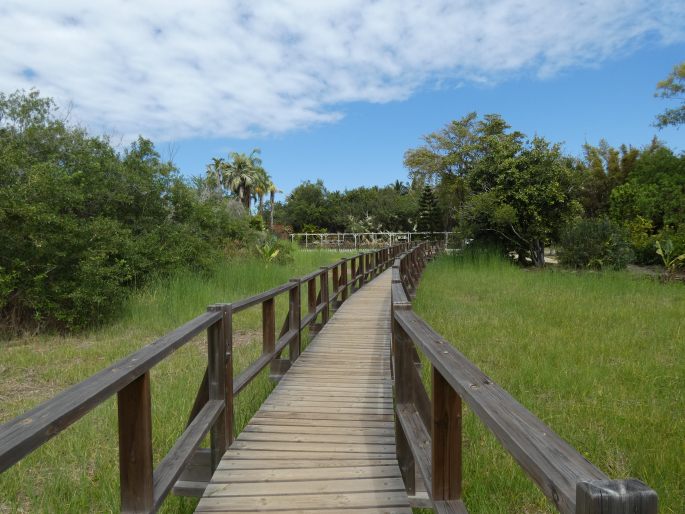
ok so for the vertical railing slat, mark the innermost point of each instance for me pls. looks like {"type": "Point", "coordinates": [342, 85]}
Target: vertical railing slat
{"type": "Point", "coordinates": [216, 375]}
{"type": "Point", "coordinates": [294, 317]}
{"type": "Point", "coordinates": [134, 407]}
{"type": "Point", "coordinates": [446, 440]}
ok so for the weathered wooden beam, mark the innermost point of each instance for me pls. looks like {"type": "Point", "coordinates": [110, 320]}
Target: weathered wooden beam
{"type": "Point", "coordinates": [629, 496]}
{"type": "Point", "coordinates": [294, 320]}
{"type": "Point", "coordinates": [446, 440]}
{"type": "Point", "coordinates": [217, 385]}
{"type": "Point", "coordinates": [27, 432]}
{"type": "Point", "coordinates": [134, 407]}
{"type": "Point", "coordinates": [522, 434]}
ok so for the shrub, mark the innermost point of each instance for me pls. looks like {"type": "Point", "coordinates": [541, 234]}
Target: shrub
{"type": "Point", "coordinates": [257, 223]}
{"type": "Point", "coordinates": [270, 249]}
{"type": "Point", "coordinates": [594, 243]}
{"type": "Point", "coordinates": [80, 224]}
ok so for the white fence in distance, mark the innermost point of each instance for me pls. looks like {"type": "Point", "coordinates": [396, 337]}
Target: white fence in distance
{"type": "Point", "coordinates": [361, 240]}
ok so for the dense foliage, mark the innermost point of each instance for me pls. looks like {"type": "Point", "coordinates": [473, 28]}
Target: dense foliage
{"type": "Point", "coordinates": [596, 244]}
{"type": "Point", "coordinates": [81, 223]}
{"type": "Point", "coordinates": [244, 177]}
{"type": "Point", "coordinates": [517, 192]}
{"type": "Point", "coordinates": [672, 88]}
{"type": "Point", "coordinates": [429, 214]}
{"type": "Point", "coordinates": [310, 207]}
{"type": "Point", "coordinates": [651, 203]}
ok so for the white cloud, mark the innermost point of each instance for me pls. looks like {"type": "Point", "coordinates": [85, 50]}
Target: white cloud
{"type": "Point", "coordinates": [171, 70]}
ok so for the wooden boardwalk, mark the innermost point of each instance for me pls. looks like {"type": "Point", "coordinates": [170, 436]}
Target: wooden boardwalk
{"type": "Point", "coordinates": [324, 440]}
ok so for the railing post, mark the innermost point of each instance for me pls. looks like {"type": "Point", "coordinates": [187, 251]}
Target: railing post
{"type": "Point", "coordinates": [269, 330]}
{"type": "Point", "coordinates": [216, 375]}
{"type": "Point", "coordinates": [228, 382]}
{"type": "Point", "coordinates": [294, 320]}
{"type": "Point", "coordinates": [336, 284]}
{"type": "Point", "coordinates": [353, 274]}
{"type": "Point", "coordinates": [362, 269]}
{"type": "Point", "coordinates": [345, 279]}
{"type": "Point", "coordinates": [446, 440]}
{"type": "Point", "coordinates": [324, 294]}
{"type": "Point", "coordinates": [629, 496]}
{"type": "Point", "coordinates": [311, 295]}
{"type": "Point", "coordinates": [135, 446]}
{"type": "Point", "coordinates": [403, 396]}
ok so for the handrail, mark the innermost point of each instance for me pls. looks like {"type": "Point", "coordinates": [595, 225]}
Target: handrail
{"type": "Point", "coordinates": [143, 488]}
{"type": "Point", "coordinates": [26, 432]}
{"type": "Point", "coordinates": [429, 428]}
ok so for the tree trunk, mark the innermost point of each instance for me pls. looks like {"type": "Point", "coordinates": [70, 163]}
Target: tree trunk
{"type": "Point", "coordinates": [537, 253]}
{"type": "Point", "coordinates": [247, 198]}
{"type": "Point", "coordinates": [261, 204]}
{"type": "Point", "coordinates": [271, 214]}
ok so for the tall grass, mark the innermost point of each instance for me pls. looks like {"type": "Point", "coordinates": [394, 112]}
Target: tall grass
{"type": "Point", "coordinates": [77, 471]}
{"type": "Point", "coordinates": [600, 357]}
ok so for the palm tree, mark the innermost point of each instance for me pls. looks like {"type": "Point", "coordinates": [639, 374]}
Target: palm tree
{"type": "Point", "coordinates": [215, 175]}
{"type": "Point", "coordinates": [272, 196]}
{"type": "Point", "coordinates": [261, 185]}
{"type": "Point", "coordinates": [241, 174]}
{"type": "Point", "coordinates": [401, 187]}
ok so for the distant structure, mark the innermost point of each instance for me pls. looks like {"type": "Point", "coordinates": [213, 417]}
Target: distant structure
{"type": "Point", "coordinates": [360, 240]}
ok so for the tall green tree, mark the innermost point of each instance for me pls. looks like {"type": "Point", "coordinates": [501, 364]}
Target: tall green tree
{"type": "Point", "coordinates": [672, 88]}
{"type": "Point", "coordinates": [80, 223]}
{"type": "Point", "coordinates": [261, 186]}
{"type": "Point", "coordinates": [310, 204]}
{"type": "Point", "coordinates": [602, 169]}
{"type": "Point", "coordinates": [241, 174]}
{"type": "Point", "coordinates": [518, 192]}
{"type": "Point", "coordinates": [428, 215]}
{"type": "Point", "coordinates": [272, 189]}
{"type": "Point", "coordinates": [651, 204]}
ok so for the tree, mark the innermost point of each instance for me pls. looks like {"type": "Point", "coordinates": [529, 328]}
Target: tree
{"type": "Point", "coordinates": [261, 185]}
{"type": "Point", "coordinates": [450, 151]}
{"type": "Point", "coordinates": [673, 87]}
{"type": "Point", "coordinates": [215, 172]}
{"type": "Point", "coordinates": [428, 215]}
{"type": "Point", "coordinates": [272, 189]}
{"type": "Point", "coordinates": [80, 223]}
{"type": "Point", "coordinates": [517, 192]}
{"type": "Point", "coordinates": [241, 174]}
{"type": "Point", "coordinates": [603, 169]}
{"type": "Point", "coordinates": [651, 204]}
{"type": "Point", "coordinates": [400, 187]}
{"type": "Point", "coordinates": [310, 204]}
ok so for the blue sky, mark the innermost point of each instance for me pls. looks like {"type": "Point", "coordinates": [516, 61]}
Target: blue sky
{"type": "Point", "coordinates": [339, 89]}
{"type": "Point", "coordinates": [614, 101]}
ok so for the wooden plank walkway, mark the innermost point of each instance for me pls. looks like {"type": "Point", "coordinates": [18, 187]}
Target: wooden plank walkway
{"type": "Point", "coordinates": [324, 440]}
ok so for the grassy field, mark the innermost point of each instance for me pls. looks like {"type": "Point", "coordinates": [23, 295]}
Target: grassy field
{"type": "Point", "coordinates": [600, 357]}
{"type": "Point", "coordinates": [78, 470]}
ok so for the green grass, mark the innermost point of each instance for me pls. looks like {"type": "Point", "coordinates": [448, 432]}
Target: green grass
{"type": "Point", "coordinates": [599, 357]}
{"type": "Point", "coordinates": [77, 471]}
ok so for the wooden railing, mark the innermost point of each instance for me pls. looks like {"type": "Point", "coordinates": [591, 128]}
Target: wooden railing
{"type": "Point", "coordinates": [428, 428]}
{"type": "Point", "coordinates": [143, 487]}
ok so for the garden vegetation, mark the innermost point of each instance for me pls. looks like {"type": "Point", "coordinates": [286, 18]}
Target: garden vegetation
{"type": "Point", "coordinates": [82, 224]}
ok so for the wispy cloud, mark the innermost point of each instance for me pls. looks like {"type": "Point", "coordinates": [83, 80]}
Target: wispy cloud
{"type": "Point", "coordinates": [171, 69]}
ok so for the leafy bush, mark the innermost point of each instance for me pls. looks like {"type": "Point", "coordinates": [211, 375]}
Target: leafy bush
{"type": "Point", "coordinates": [80, 224]}
{"type": "Point", "coordinates": [594, 243]}
{"type": "Point", "coordinates": [257, 223]}
{"type": "Point", "coordinates": [672, 261]}
{"type": "Point", "coordinates": [650, 204]}
{"type": "Point", "coordinates": [271, 249]}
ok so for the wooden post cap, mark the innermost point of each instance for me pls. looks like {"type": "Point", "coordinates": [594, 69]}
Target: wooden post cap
{"type": "Point", "coordinates": [629, 496]}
